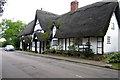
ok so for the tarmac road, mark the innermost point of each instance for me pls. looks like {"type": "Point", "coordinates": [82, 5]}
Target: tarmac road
{"type": "Point", "coordinates": [17, 65]}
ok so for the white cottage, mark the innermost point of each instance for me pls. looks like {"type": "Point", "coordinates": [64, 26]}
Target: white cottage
{"type": "Point", "coordinates": [38, 33]}
{"type": "Point", "coordinates": [98, 24]}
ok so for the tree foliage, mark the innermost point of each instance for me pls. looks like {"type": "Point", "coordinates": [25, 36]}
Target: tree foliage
{"type": "Point", "coordinates": [11, 30]}
{"type": "Point", "coordinates": [2, 3]}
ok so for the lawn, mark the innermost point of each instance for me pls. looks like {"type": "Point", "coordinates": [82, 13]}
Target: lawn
{"type": "Point", "coordinates": [116, 65]}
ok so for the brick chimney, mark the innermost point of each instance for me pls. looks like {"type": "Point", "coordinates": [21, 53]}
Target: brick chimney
{"type": "Point", "coordinates": [74, 5]}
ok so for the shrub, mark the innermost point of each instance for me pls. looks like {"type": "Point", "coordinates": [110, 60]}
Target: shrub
{"type": "Point", "coordinates": [77, 53]}
{"type": "Point", "coordinates": [71, 48]}
{"type": "Point", "coordinates": [88, 52]}
{"type": "Point", "coordinates": [51, 51]}
{"type": "Point", "coordinates": [65, 52]}
{"type": "Point", "coordinates": [114, 58]}
{"type": "Point", "coordinates": [18, 49]}
{"type": "Point", "coordinates": [48, 46]}
{"type": "Point", "coordinates": [60, 51]}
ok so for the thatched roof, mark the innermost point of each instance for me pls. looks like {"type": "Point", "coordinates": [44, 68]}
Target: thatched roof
{"type": "Point", "coordinates": [27, 38]}
{"type": "Point", "coordinates": [46, 22]}
{"type": "Point", "coordinates": [29, 29]}
{"type": "Point", "coordinates": [45, 19]}
{"type": "Point", "coordinates": [43, 36]}
{"type": "Point", "coordinates": [117, 13]}
{"type": "Point", "coordinates": [92, 20]}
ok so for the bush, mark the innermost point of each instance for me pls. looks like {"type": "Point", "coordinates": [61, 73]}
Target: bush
{"type": "Point", "coordinates": [48, 46]}
{"type": "Point", "coordinates": [52, 51]}
{"type": "Point", "coordinates": [71, 48]}
{"type": "Point", "coordinates": [88, 52]}
{"type": "Point", "coordinates": [18, 49]}
{"type": "Point", "coordinates": [59, 51]}
{"type": "Point", "coordinates": [114, 58]}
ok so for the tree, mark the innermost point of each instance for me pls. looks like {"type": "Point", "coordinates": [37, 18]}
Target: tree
{"type": "Point", "coordinates": [2, 2]}
{"type": "Point", "coordinates": [11, 30]}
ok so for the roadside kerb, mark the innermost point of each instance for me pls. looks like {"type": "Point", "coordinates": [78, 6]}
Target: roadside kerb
{"type": "Point", "coordinates": [83, 61]}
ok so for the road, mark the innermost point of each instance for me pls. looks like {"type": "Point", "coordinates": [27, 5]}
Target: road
{"type": "Point", "coordinates": [17, 65]}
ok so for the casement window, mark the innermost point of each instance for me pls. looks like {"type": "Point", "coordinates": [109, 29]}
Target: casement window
{"type": "Point", "coordinates": [112, 26]}
{"type": "Point", "coordinates": [108, 39]}
{"type": "Point", "coordinates": [55, 42]}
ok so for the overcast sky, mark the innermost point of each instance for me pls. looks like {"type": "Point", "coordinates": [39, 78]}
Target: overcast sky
{"type": "Point", "coordinates": [24, 10]}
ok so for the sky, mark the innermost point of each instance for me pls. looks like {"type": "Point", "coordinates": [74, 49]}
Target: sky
{"type": "Point", "coordinates": [24, 10]}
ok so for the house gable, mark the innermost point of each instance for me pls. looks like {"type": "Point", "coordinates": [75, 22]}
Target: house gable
{"type": "Point", "coordinates": [37, 26]}
{"type": "Point", "coordinates": [45, 19]}
{"type": "Point", "coordinates": [111, 39]}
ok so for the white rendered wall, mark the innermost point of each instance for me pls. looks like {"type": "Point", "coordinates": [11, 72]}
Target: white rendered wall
{"type": "Point", "coordinates": [21, 44]}
{"type": "Point", "coordinates": [63, 44]}
{"type": "Point", "coordinates": [67, 44]}
{"type": "Point", "coordinates": [33, 46]}
{"type": "Point", "coordinates": [93, 42]}
{"type": "Point", "coordinates": [54, 31]}
{"type": "Point", "coordinates": [85, 40]}
{"type": "Point", "coordinates": [37, 26]}
{"type": "Point", "coordinates": [113, 46]}
{"type": "Point", "coordinates": [52, 46]}
{"type": "Point", "coordinates": [38, 44]}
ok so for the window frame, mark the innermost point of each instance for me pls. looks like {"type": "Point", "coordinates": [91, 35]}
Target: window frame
{"type": "Point", "coordinates": [108, 39]}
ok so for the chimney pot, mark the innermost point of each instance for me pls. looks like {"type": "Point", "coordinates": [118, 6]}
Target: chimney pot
{"type": "Point", "coordinates": [41, 9]}
{"type": "Point", "coordinates": [74, 5]}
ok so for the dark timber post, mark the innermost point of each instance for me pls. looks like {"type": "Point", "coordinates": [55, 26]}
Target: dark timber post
{"type": "Point", "coordinates": [88, 45]}
{"type": "Point", "coordinates": [102, 45]}
{"type": "Point", "coordinates": [43, 46]}
{"type": "Point", "coordinates": [69, 41]}
{"type": "Point", "coordinates": [22, 45]}
{"type": "Point", "coordinates": [65, 44]}
{"type": "Point", "coordinates": [25, 46]}
{"type": "Point", "coordinates": [30, 46]}
{"type": "Point", "coordinates": [40, 47]}
{"type": "Point", "coordinates": [58, 41]}
{"type": "Point", "coordinates": [35, 45]}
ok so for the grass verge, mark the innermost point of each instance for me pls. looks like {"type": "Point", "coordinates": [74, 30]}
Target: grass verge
{"type": "Point", "coordinates": [116, 65]}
